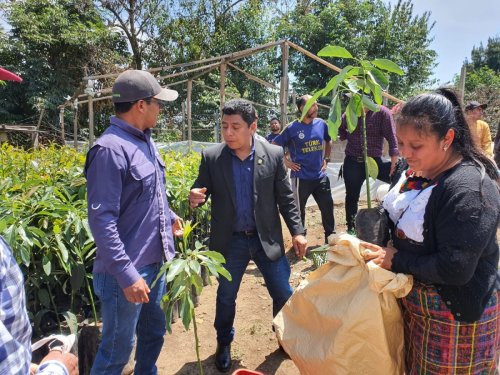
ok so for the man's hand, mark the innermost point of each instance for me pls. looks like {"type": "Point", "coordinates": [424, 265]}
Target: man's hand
{"type": "Point", "coordinates": [70, 361]}
{"type": "Point", "coordinates": [324, 166]}
{"type": "Point", "coordinates": [137, 292]}
{"type": "Point", "coordinates": [177, 230]}
{"type": "Point", "coordinates": [197, 197]}
{"type": "Point", "coordinates": [291, 165]}
{"type": "Point", "coordinates": [394, 160]}
{"type": "Point", "coordinates": [381, 256]}
{"type": "Point", "coordinates": [300, 245]}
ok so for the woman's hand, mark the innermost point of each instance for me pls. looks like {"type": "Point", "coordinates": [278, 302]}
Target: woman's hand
{"type": "Point", "coordinates": [381, 256]}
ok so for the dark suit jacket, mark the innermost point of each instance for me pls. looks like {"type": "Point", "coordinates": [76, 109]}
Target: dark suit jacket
{"type": "Point", "coordinates": [271, 191]}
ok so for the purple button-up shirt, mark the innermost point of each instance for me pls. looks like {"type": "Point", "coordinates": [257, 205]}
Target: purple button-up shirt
{"type": "Point", "coordinates": [379, 125]}
{"type": "Point", "coordinates": [127, 204]}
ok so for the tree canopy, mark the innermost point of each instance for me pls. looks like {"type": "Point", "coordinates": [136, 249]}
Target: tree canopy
{"type": "Point", "coordinates": [369, 29]}
{"type": "Point", "coordinates": [53, 44]}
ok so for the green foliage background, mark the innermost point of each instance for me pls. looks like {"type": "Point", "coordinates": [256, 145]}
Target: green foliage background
{"type": "Point", "coordinates": [53, 44]}
{"type": "Point", "coordinates": [43, 216]}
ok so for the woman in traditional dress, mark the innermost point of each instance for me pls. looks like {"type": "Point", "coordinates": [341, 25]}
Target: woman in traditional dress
{"type": "Point", "coordinates": [445, 213]}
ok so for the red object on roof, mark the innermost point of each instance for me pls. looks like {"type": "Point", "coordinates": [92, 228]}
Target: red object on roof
{"type": "Point", "coordinates": [6, 75]}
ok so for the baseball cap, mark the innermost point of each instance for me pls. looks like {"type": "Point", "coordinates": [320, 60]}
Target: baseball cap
{"type": "Point", "coordinates": [133, 85]}
{"type": "Point", "coordinates": [473, 105]}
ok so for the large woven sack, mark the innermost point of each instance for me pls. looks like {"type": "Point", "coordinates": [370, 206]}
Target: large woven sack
{"type": "Point", "coordinates": [345, 318]}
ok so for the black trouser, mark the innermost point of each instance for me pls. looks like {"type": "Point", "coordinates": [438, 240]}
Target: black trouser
{"type": "Point", "coordinates": [353, 171]}
{"type": "Point", "coordinates": [322, 194]}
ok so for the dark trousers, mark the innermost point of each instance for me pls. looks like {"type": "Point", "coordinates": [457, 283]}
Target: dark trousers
{"type": "Point", "coordinates": [354, 175]}
{"type": "Point", "coordinates": [322, 194]}
{"type": "Point", "coordinates": [276, 275]}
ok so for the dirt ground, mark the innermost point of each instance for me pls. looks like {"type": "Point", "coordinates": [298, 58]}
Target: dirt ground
{"type": "Point", "coordinates": [255, 346]}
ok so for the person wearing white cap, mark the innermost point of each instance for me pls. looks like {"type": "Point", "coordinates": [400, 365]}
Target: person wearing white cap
{"type": "Point", "coordinates": [132, 225]}
{"type": "Point", "coordinates": [480, 129]}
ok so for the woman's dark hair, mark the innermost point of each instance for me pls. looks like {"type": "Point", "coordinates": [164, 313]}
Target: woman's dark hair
{"type": "Point", "coordinates": [439, 111]}
{"type": "Point", "coordinates": [240, 107]}
{"type": "Point", "coordinates": [274, 118]}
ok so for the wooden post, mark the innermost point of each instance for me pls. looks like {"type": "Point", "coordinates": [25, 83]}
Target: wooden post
{"type": "Point", "coordinates": [35, 135]}
{"type": "Point", "coordinates": [284, 83]}
{"type": "Point", "coordinates": [61, 122]}
{"type": "Point", "coordinates": [222, 87]}
{"type": "Point", "coordinates": [461, 88]}
{"type": "Point", "coordinates": [189, 118]}
{"type": "Point", "coordinates": [183, 126]}
{"type": "Point", "coordinates": [75, 126]}
{"type": "Point", "coordinates": [91, 120]}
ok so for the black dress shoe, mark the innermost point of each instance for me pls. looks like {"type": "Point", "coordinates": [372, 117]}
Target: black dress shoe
{"type": "Point", "coordinates": [223, 358]}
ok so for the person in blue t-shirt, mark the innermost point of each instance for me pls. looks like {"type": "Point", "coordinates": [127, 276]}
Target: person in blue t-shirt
{"type": "Point", "coordinates": [275, 127]}
{"type": "Point", "coordinates": [309, 146]}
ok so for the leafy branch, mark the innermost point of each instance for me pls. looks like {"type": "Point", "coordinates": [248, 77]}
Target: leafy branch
{"type": "Point", "coordinates": [363, 84]}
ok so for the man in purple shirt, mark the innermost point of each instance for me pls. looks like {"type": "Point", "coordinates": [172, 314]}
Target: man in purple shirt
{"type": "Point", "coordinates": [379, 125]}
{"type": "Point", "coordinates": [132, 225]}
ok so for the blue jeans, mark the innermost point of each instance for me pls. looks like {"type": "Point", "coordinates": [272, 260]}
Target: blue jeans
{"type": "Point", "coordinates": [276, 275]}
{"type": "Point", "coordinates": [122, 320]}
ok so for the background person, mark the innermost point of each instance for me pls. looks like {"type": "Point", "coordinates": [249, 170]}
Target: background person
{"type": "Point", "coordinates": [379, 125]}
{"type": "Point", "coordinates": [247, 182]}
{"type": "Point", "coordinates": [309, 147]}
{"type": "Point", "coordinates": [15, 327]}
{"type": "Point", "coordinates": [275, 127]}
{"type": "Point", "coordinates": [445, 236]}
{"type": "Point", "coordinates": [480, 130]}
{"type": "Point", "coordinates": [132, 226]}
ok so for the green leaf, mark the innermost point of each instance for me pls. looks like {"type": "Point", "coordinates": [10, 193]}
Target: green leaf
{"type": "Point", "coordinates": [214, 255]}
{"type": "Point", "coordinates": [22, 233]}
{"type": "Point", "coordinates": [197, 282]}
{"type": "Point", "coordinates": [176, 268]}
{"type": "Point", "coordinates": [43, 296]}
{"type": "Point", "coordinates": [195, 266]}
{"type": "Point", "coordinates": [375, 90]}
{"type": "Point", "coordinates": [352, 84]}
{"type": "Point", "coordinates": [379, 78]}
{"type": "Point", "coordinates": [388, 65]}
{"type": "Point", "coordinates": [77, 276]}
{"type": "Point", "coordinates": [167, 308]}
{"type": "Point", "coordinates": [46, 265]}
{"type": "Point", "coordinates": [372, 167]}
{"type": "Point", "coordinates": [71, 321]}
{"type": "Point", "coordinates": [62, 248]}
{"type": "Point", "coordinates": [353, 108]}
{"type": "Point", "coordinates": [310, 103]}
{"type": "Point", "coordinates": [335, 51]}
{"type": "Point", "coordinates": [221, 270]}
{"type": "Point", "coordinates": [355, 72]}
{"type": "Point", "coordinates": [334, 117]}
{"type": "Point", "coordinates": [334, 83]}
{"type": "Point", "coordinates": [368, 103]}
{"type": "Point", "coordinates": [186, 310]}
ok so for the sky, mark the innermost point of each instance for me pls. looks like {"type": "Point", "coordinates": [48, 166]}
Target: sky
{"type": "Point", "coordinates": [459, 26]}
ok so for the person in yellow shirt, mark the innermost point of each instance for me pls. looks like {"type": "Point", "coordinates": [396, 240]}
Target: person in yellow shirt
{"type": "Point", "coordinates": [480, 129]}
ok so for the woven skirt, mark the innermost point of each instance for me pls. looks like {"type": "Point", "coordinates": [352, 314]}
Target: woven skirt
{"type": "Point", "coordinates": [437, 344]}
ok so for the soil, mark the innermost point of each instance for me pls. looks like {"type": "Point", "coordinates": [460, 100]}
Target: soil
{"type": "Point", "coordinates": [255, 346]}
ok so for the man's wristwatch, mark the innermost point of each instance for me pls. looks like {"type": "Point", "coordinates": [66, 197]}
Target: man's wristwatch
{"type": "Point", "coordinates": [326, 159]}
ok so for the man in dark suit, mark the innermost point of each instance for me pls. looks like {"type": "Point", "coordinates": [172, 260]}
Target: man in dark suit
{"type": "Point", "coordinates": [248, 184]}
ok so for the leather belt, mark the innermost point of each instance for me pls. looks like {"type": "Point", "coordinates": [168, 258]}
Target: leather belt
{"type": "Point", "coordinates": [357, 159]}
{"type": "Point", "coordinates": [247, 233]}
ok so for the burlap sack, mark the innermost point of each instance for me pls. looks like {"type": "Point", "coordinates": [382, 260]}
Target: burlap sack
{"type": "Point", "coordinates": [344, 319]}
